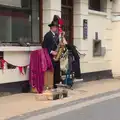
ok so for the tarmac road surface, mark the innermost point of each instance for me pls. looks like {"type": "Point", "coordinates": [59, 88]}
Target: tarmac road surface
{"type": "Point", "coordinates": [102, 108]}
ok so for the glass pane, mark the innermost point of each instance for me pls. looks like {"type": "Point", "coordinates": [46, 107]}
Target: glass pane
{"type": "Point", "coordinates": [35, 21]}
{"type": "Point", "coordinates": [15, 3]}
{"type": "Point", "coordinates": [25, 3]}
{"type": "Point", "coordinates": [5, 29]}
{"type": "Point", "coordinates": [21, 27]}
{"type": "Point", "coordinates": [16, 24]}
{"type": "Point", "coordinates": [94, 5]}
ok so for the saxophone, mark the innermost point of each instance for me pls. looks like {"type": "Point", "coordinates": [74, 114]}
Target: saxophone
{"type": "Point", "coordinates": [60, 49]}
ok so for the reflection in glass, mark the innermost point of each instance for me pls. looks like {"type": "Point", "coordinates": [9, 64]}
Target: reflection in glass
{"type": "Point", "coordinates": [4, 29]}
{"type": "Point", "coordinates": [20, 23]}
{"type": "Point", "coordinates": [21, 28]}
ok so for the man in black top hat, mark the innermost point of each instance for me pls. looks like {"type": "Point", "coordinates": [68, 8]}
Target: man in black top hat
{"type": "Point", "coordinates": [51, 41]}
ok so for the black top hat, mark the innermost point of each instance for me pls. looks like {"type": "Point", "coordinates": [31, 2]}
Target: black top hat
{"type": "Point", "coordinates": [53, 23]}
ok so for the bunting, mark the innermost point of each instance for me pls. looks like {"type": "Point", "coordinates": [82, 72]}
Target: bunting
{"type": "Point", "coordinates": [22, 69]}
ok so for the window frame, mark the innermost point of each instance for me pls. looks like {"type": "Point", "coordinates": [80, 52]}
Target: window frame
{"type": "Point", "coordinates": [100, 8]}
{"type": "Point", "coordinates": [13, 8]}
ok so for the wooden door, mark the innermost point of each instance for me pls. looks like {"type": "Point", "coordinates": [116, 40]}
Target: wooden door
{"type": "Point", "coordinates": [67, 16]}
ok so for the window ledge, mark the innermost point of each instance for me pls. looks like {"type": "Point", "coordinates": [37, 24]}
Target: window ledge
{"type": "Point", "coordinates": [17, 48]}
{"type": "Point", "coordinates": [97, 13]}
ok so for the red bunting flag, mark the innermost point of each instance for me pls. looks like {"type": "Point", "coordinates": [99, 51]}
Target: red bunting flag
{"type": "Point", "coordinates": [3, 63]}
{"type": "Point", "coordinates": [21, 70]}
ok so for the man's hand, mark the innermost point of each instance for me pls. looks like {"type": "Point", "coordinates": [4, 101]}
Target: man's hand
{"type": "Point", "coordinates": [63, 33]}
{"type": "Point", "coordinates": [53, 53]}
{"type": "Point", "coordinates": [64, 41]}
{"type": "Point", "coordinates": [61, 43]}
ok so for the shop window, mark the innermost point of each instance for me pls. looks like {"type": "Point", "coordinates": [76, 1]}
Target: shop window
{"type": "Point", "coordinates": [98, 5]}
{"type": "Point", "coordinates": [14, 26]}
{"type": "Point", "coordinates": [20, 23]}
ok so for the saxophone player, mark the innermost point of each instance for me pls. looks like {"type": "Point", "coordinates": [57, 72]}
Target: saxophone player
{"type": "Point", "coordinates": [51, 41]}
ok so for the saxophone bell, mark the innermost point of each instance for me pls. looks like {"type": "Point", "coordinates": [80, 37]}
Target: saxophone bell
{"type": "Point", "coordinates": [59, 53]}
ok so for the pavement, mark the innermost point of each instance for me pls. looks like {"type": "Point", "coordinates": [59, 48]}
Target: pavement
{"type": "Point", "coordinates": [20, 105]}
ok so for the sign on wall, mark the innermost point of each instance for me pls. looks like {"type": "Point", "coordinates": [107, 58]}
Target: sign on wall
{"type": "Point", "coordinates": [85, 29]}
{"type": "Point", "coordinates": [15, 3]}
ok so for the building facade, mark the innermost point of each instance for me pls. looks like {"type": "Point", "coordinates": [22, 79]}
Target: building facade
{"type": "Point", "coordinates": [93, 26]}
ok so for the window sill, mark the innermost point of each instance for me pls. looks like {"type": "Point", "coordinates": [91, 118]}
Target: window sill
{"type": "Point", "coordinates": [17, 48]}
{"type": "Point", "coordinates": [97, 13]}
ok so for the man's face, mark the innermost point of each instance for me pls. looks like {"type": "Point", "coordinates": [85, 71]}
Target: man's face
{"type": "Point", "coordinates": [54, 28]}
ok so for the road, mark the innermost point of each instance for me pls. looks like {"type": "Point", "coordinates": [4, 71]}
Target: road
{"type": "Point", "coordinates": [106, 107]}
{"type": "Point", "coordinates": [107, 110]}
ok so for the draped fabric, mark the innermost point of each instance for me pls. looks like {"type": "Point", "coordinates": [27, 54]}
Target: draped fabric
{"type": "Point", "coordinates": [76, 64]}
{"type": "Point", "coordinates": [39, 63]}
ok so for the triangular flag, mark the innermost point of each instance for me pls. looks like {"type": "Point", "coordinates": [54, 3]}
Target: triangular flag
{"type": "Point", "coordinates": [21, 70]}
{"type": "Point", "coordinates": [3, 63]}
{"type": "Point", "coordinates": [25, 69]}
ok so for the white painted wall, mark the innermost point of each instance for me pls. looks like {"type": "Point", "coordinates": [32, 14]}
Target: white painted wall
{"type": "Point", "coordinates": [50, 8]}
{"type": "Point", "coordinates": [17, 56]}
{"type": "Point", "coordinates": [97, 22]}
{"type": "Point", "coordinates": [100, 24]}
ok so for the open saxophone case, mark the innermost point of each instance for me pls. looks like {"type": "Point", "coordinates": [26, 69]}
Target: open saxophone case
{"type": "Point", "coordinates": [73, 66]}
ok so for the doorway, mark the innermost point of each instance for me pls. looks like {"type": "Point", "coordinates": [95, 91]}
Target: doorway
{"type": "Point", "coordinates": [67, 16]}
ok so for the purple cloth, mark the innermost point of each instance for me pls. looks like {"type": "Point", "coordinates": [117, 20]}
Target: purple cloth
{"type": "Point", "coordinates": [39, 63]}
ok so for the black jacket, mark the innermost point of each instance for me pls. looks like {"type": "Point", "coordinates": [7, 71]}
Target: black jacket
{"type": "Point", "coordinates": [50, 41]}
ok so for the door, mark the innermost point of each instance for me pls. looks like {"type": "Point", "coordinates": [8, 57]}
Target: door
{"type": "Point", "coordinates": [67, 16]}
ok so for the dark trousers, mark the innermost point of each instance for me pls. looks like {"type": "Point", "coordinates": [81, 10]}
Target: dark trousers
{"type": "Point", "coordinates": [76, 68]}
{"type": "Point", "coordinates": [57, 79]}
